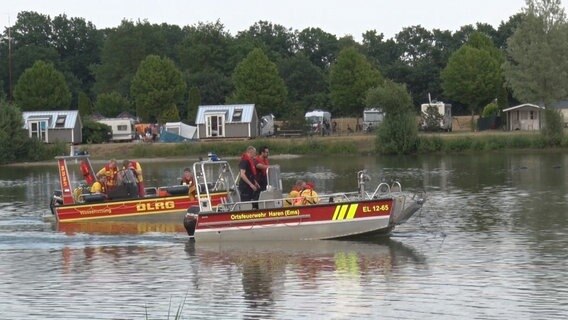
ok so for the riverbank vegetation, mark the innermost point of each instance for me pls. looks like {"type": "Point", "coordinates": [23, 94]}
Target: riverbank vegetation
{"type": "Point", "coordinates": [286, 73]}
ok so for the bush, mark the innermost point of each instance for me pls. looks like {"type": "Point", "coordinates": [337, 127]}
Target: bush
{"type": "Point", "coordinates": [96, 132]}
{"type": "Point", "coordinates": [553, 130]}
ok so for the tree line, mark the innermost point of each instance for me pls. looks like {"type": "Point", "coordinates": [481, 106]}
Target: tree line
{"type": "Point", "coordinates": [162, 72]}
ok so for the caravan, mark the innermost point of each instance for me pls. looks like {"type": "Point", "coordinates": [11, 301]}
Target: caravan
{"type": "Point", "coordinates": [122, 129]}
{"type": "Point", "coordinates": [319, 122]}
{"type": "Point", "coordinates": [372, 118]}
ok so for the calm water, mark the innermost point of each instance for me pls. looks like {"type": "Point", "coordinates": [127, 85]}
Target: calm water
{"type": "Point", "coordinates": [490, 243]}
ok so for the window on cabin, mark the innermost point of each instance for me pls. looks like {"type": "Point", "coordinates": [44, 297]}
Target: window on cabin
{"type": "Point", "coordinates": [238, 115]}
{"type": "Point", "coordinates": [60, 122]}
{"type": "Point", "coordinates": [122, 127]}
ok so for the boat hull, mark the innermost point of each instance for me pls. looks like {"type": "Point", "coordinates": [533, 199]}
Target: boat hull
{"type": "Point", "coordinates": [310, 222]}
{"type": "Point", "coordinates": [153, 209]}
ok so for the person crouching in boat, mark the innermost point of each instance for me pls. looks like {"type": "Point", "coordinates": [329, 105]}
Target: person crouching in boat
{"type": "Point", "coordinates": [137, 170]}
{"type": "Point", "coordinates": [247, 174]}
{"type": "Point", "coordinates": [294, 195]}
{"type": "Point", "coordinates": [110, 172]}
{"type": "Point", "coordinates": [99, 185]}
{"type": "Point", "coordinates": [308, 195]}
{"type": "Point", "coordinates": [187, 179]}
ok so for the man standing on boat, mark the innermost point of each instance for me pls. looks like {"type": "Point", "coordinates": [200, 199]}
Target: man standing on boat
{"type": "Point", "coordinates": [247, 182]}
{"type": "Point", "coordinates": [262, 164]}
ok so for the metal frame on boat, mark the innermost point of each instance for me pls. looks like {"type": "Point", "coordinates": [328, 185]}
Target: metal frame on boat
{"type": "Point", "coordinates": [334, 216]}
{"type": "Point", "coordinates": [74, 203]}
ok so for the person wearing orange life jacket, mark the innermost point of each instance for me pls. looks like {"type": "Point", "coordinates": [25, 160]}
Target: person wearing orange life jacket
{"type": "Point", "coordinates": [188, 180]}
{"type": "Point", "coordinates": [294, 195]}
{"type": "Point", "coordinates": [308, 194]}
{"type": "Point", "coordinates": [247, 176]}
{"type": "Point", "coordinates": [137, 170]}
{"type": "Point", "coordinates": [86, 172]}
{"type": "Point", "coordinates": [262, 163]}
{"type": "Point", "coordinates": [110, 172]}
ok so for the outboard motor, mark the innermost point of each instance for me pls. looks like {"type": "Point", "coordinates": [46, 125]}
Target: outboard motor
{"type": "Point", "coordinates": [190, 220]}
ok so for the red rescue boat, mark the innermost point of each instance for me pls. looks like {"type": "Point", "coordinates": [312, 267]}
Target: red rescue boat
{"type": "Point", "coordinates": [75, 203]}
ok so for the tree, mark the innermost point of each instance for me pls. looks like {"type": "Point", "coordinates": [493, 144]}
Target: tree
{"type": "Point", "coordinates": [112, 104]}
{"type": "Point", "coordinates": [42, 87]}
{"type": "Point", "coordinates": [193, 103]}
{"type": "Point", "coordinates": [169, 114]}
{"type": "Point", "coordinates": [277, 41]}
{"type": "Point", "coordinates": [472, 77]}
{"type": "Point", "coordinates": [320, 47]}
{"type": "Point", "coordinates": [350, 78]}
{"type": "Point", "coordinates": [13, 136]}
{"type": "Point", "coordinates": [205, 47]}
{"type": "Point", "coordinates": [536, 68]}
{"type": "Point", "coordinates": [123, 50]}
{"type": "Point", "coordinates": [303, 79]}
{"type": "Point", "coordinates": [84, 104]}
{"type": "Point", "coordinates": [257, 81]}
{"type": "Point", "coordinates": [397, 134]}
{"type": "Point", "coordinates": [157, 84]}
{"type": "Point", "coordinates": [214, 87]}
{"type": "Point", "coordinates": [78, 44]}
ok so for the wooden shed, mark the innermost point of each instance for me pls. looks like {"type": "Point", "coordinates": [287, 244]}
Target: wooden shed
{"type": "Point", "coordinates": [54, 126]}
{"type": "Point", "coordinates": [524, 117]}
{"type": "Point", "coordinates": [227, 121]}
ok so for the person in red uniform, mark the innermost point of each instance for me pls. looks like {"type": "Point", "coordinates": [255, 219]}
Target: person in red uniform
{"type": "Point", "coordinates": [87, 173]}
{"type": "Point", "coordinates": [262, 164]}
{"type": "Point", "coordinates": [247, 173]}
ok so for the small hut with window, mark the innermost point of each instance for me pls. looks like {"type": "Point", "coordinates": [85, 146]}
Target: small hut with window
{"type": "Point", "coordinates": [227, 121]}
{"type": "Point", "coordinates": [524, 117]}
{"type": "Point", "coordinates": [54, 126]}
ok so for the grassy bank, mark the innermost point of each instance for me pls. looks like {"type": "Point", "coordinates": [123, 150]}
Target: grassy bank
{"type": "Point", "coordinates": [455, 142]}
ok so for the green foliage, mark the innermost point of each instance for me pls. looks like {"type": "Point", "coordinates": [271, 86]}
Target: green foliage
{"type": "Point", "coordinates": [397, 134]}
{"type": "Point", "coordinates": [257, 81]}
{"type": "Point", "coordinates": [536, 68]}
{"type": "Point", "coordinates": [490, 110]}
{"type": "Point", "coordinates": [96, 132]}
{"type": "Point", "coordinates": [193, 103]}
{"type": "Point", "coordinates": [472, 77]}
{"type": "Point", "coordinates": [112, 104]}
{"type": "Point", "coordinates": [126, 46]}
{"type": "Point", "coordinates": [205, 48]}
{"type": "Point", "coordinates": [12, 134]}
{"type": "Point", "coordinates": [85, 105]}
{"type": "Point", "coordinates": [170, 114]}
{"type": "Point", "coordinates": [350, 79]}
{"type": "Point", "coordinates": [320, 47]}
{"type": "Point", "coordinates": [553, 130]}
{"type": "Point", "coordinates": [214, 87]}
{"type": "Point", "coordinates": [158, 84]}
{"type": "Point", "coordinates": [42, 87]}
{"type": "Point", "coordinates": [431, 119]}
{"type": "Point", "coordinates": [304, 81]}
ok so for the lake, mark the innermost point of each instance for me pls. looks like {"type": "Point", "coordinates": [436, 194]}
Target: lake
{"type": "Point", "coordinates": [490, 243]}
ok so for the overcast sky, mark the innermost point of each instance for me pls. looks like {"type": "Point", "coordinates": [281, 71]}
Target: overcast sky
{"type": "Point", "coordinates": [338, 17]}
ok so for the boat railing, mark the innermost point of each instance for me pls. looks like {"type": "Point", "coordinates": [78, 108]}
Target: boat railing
{"type": "Point", "coordinates": [384, 189]}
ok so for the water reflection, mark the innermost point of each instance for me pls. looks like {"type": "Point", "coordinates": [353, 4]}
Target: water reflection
{"type": "Point", "coordinates": [270, 270]}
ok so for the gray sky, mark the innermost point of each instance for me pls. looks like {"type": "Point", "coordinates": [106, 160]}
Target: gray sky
{"type": "Point", "coordinates": [338, 17]}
